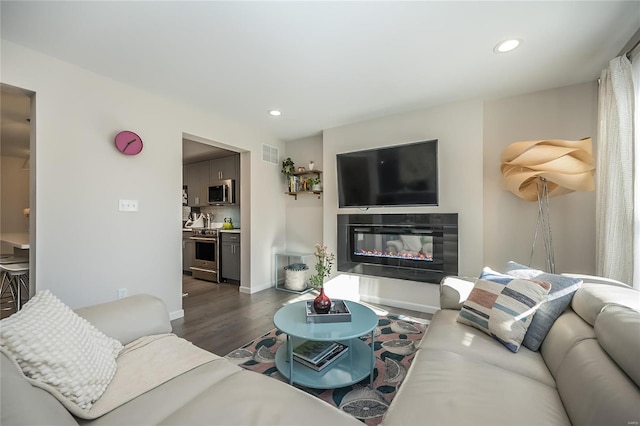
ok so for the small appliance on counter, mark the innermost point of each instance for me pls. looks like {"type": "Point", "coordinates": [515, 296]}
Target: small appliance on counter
{"type": "Point", "coordinates": [196, 222]}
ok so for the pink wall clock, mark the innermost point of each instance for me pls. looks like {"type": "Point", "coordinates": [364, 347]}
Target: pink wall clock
{"type": "Point", "coordinates": [128, 143]}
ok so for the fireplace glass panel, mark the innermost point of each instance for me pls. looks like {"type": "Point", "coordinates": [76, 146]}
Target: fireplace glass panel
{"type": "Point", "coordinates": [392, 245]}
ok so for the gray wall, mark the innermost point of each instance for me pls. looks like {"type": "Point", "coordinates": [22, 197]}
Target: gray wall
{"type": "Point", "coordinates": [304, 215]}
{"type": "Point", "coordinates": [86, 248]}
{"type": "Point", "coordinates": [495, 225]}
{"type": "Point", "coordinates": [458, 128]}
{"type": "Point", "coordinates": [15, 197]}
{"type": "Point", "coordinates": [509, 222]}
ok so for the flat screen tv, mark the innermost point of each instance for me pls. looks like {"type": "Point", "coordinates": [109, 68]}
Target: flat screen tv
{"type": "Point", "coordinates": [401, 175]}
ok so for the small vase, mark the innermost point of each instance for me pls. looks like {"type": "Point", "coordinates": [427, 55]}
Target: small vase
{"type": "Point", "coordinates": [322, 304]}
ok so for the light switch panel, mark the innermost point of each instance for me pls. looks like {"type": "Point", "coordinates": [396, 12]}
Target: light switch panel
{"type": "Point", "coordinates": [128, 205]}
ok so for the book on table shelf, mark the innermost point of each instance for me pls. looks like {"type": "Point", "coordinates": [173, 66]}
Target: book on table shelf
{"type": "Point", "coordinates": [328, 356]}
{"type": "Point", "coordinates": [313, 351]}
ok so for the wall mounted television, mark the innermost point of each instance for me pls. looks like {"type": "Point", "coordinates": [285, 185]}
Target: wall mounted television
{"type": "Point", "coordinates": [401, 175]}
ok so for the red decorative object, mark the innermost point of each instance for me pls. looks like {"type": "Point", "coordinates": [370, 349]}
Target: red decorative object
{"type": "Point", "coordinates": [322, 304]}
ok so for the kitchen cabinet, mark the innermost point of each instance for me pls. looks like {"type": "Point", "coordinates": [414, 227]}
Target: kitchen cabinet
{"type": "Point", "coordinates": [224, 168]}
{"type": "Point", "coordinates": [198, 176]}
{"type": "Point", "coordinates": [188, 247]}
{"type": "Point", "coordinates": [197, 181]}
{"type": "Point", "coordinates": [230, 256]}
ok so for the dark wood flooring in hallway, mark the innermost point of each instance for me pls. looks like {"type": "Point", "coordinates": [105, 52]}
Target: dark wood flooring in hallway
{"type": "Point", "coordinates": [219, 319]}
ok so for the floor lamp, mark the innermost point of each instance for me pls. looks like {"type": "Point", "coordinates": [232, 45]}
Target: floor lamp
{"type": "Point", "coordinates": [538, 170]}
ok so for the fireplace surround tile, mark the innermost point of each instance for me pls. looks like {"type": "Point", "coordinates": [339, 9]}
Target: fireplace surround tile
{"type": "Point", "coordinates": [416, 247]}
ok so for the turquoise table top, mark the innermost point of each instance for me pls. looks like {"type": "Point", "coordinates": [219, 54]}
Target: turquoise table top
{"type": "Point", "coordinates": [292, 319]}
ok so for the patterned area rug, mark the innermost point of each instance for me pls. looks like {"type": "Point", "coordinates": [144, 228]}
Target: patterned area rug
{"type": "Point", "coordinates": [396, 338]}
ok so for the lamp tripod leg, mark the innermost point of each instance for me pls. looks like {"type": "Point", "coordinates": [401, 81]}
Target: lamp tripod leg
{"type": "Point", "coordinates": [543, 225]}
{"type": "Point", "coordinates": [548, 241]}
{"type": "Point", "coordinates": [535, 236]}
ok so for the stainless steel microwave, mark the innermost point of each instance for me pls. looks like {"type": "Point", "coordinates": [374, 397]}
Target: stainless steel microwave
{"type": "Point", "coordinates": [222, 192]}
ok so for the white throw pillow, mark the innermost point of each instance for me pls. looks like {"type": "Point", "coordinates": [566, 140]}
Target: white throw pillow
{"type": "Point", "coordinates": [60, 351]}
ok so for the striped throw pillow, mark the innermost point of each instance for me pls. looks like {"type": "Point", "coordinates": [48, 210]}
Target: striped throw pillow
{"type": "Point", "coordinates": [503, 310]}
{"type": "Point", "coordinates": [560, 295]}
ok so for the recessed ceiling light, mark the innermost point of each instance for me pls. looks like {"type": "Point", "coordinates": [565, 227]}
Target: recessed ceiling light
{"type": "Point", "coordinates": [275, 112]}
{"type": "Point", "coordinates": [507, 45]}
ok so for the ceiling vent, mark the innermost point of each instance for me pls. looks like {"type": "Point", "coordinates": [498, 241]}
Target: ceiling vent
{"type": "Point", "coordinates": [270, 154]}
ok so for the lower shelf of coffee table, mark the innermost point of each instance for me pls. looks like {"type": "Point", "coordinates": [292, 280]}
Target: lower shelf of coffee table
{"type": "Point", "coordinates": [355, 366]}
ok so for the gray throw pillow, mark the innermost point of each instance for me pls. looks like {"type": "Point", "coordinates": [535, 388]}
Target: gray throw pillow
{"type": "Point", "coordinates": [562, 290]}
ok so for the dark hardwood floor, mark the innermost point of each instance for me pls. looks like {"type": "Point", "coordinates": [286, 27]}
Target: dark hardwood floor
{"type": "Point", "coordinates": [219, 319]}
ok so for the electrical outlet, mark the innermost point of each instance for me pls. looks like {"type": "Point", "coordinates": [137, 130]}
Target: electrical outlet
{"type": "Point", "coordinates": [122, 292]}
{"type": "Point", "coordinates": [128, 205]}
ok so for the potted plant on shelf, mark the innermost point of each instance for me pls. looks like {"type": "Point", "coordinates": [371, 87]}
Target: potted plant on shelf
{"type": "Point", "coordinates": [313, 184]}
{"type": "Point", "coordinates": [288, 167]}
{"type": "Point", "coordinates": [324, 263]}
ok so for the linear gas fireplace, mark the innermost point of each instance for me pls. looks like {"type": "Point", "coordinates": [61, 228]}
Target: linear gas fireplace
{"type": "Point", "coordinates": [417, 247]}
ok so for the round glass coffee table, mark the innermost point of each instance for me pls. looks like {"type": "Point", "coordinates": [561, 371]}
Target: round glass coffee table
{"type": "Point", "coordinates": [355, 365]}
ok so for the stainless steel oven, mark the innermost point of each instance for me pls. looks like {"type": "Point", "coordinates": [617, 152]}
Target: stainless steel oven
{"type": "Point", "coordinates": [205, 254]}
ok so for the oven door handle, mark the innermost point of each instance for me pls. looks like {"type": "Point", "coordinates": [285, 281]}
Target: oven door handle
{"type": "Point", "coordinates": [206, 240]}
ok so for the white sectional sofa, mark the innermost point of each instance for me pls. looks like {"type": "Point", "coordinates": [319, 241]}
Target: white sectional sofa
{"type": "Point", "coordinates": [215, 393]}
{"type": "Point", "coordinates": [587, 372]}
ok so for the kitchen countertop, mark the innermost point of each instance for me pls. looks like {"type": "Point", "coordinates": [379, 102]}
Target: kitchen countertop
{"type": "Point", "coordinates": [234, 230]}
{"type": "Point", "coordinates": [17, 240]}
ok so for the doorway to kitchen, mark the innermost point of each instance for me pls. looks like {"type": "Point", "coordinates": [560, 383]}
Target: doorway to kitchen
{"type": "Point", "coordinates": [17, 199]}
{"type": "Point", "coordinates": [211, 211]}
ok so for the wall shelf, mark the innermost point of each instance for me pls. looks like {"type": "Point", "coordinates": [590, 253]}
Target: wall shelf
{"type": "Point", "coordinates": [306, 173]}
{"type": "Point", "coordinates": [295, 194]}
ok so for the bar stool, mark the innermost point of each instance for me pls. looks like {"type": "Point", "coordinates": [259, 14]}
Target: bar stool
{"type": "Point", "coordinates": [15, 276]}
{"type": "Point", "coordinates": [4, 260]}
{"type": "Point", "coordinates": [4, 280]}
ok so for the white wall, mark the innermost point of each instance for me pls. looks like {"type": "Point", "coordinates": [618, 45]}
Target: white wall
{"type": "Point", "coordinates": [509, 222]}
{"type": "Point", "coordinates": [86, 248]}
{"type": "Point", "coordinates": [15, 197]}
{"type": "Point", "coordinates": [495, 225]}
{"type": "Point", "coordinates": [458, 128]}
{"type": "Point", "coordinates": [304, 215]}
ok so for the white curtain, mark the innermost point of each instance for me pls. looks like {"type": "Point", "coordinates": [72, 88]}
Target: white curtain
{"type": "Point", "coordinates": [635, 68]}
{"type": "Point", "coordinates": [614, 173]}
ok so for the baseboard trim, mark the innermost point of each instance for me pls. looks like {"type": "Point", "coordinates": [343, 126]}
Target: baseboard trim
{"type": "Point", "coordinates": [176, 314]}
{"type": "Point", "coordinates": [255, 289]}
{"type": "Point", "coordinates": [399, 304]}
